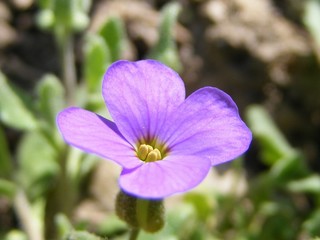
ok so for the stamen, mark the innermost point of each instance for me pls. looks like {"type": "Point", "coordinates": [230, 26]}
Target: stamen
{"type": "Point", "coordinates": [156, 150]}
{"type": "Point", "coordinates": [152, 156]}
{"type": "Point", "coordinates": [150, 148]}
{"type": "Point", "coordinates": [148, 154]}
{"type": "Point", "coordinates": [144, 150]}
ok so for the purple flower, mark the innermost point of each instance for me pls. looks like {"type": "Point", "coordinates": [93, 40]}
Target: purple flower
{"type": "Point", "coordinates": [165, 143]}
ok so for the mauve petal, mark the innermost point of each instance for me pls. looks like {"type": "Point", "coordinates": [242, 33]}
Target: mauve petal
{"type": "Point", "coordinates": [208, 125]}
{"type": "Point", "coordinates": [173, 174]}
{"type": "Point", "coordinates": [140, 95]}
{"type": "Point", "coordinates": [95, 134]}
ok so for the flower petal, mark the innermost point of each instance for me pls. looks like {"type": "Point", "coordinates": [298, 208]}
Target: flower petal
{"type": "Point", "coordinates": [140, 95]}
{"type": "Point", "coordinates": [208, 125]}
{"type": "Point", "coordinates": [95, 134]}
{"type": "Point", "coordinates": [173, 174]}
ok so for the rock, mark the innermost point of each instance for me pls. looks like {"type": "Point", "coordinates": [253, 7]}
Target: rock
{"type": "Point", "coordinates": [8, 34]}
{"type": "Point", "coordinates": [259, 29]}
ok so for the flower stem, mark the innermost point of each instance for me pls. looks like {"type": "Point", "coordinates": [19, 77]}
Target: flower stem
{"type": "Point", "coordinates": [26, 217]}
{"type": "Point", "coordinates": [142, 207]}
{"type": "Point", "coordinates": [134, 234]}
{"type": "Point", "coordinates": [68, 67]}
{"type": "Point", "coordinates": [64, 40]}
{"type": "Point", "coordinates": [61, 198]}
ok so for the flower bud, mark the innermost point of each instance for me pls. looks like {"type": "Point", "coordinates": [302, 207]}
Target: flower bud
{"type": "Point", "coordinates": [139, 213]}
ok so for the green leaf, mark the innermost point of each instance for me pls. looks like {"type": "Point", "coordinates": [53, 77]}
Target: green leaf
{"type": "Point", "coordinates": [64, 226]}
{"type": "Point", "coordinates": [7, 188]}
{"type": "Point", "coordinates": [95, 102]}
{"type": "Point", "coordinates": [63, 11]}
{"type": "Point", "coordinates": [5, 159]}
{"type": "Point", "coordinates": [16, 235]}
{"type": "Point", "coordinates": [80, 14]}
{"type": "Point", "coordinates": [80, 20]}
{"type": "Point", "coordinates": [45, 19]}
{"type": "Point", "coordinates": [113, 34]}
{"type": "Point", "coordinates": [83, 5]}
{"type": "Point", "coordinates": [38, 164]}
{"type": "Point", "coordinates": [88, 163]}
{"type": "Point", "coordinates": [111, 226]}
{"type": "Point", "coordinates": [201, 204]}
{"type": "Point", "coordinates": [166, 49]}
{"type": "Point", "coordinates": [97, 58]}
{"type": "Point", "coordinates": [51, 97]}
{"type": "Point", "coordinates": [286, 162]}
{"type": "Point", "coordinates": [273, 144]}
{"type": "Point", "coordinates": [289, 167]}
{"type": "Point", "coordinates": [310, 184]}
{"type": "Point", "coordinates": [311, 19]}
{"type": "Point", "coordinates": [312, 224]}
{"type": "Point", "coordinates": [45, 3]}
{"type": "Point", "coordinates": [13, 111]}
{"type": "Point", "coordinates": [81, 235]}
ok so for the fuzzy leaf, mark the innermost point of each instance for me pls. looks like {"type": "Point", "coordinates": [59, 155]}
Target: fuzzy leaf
{"type": "Point", "coordinates": [51, 96]}
{"type": "Point", "coordinates": [114, 35]}
{"type": "Point", "coordinates": [312, 19]}
{"type": "Point", "coordinates": [274, 146]}
{"type": "Point", "coordinates": [97, 58]}
{"type": "Point", "coordinates": [63, 10]}
{"type": "Point", "coordinates": [64, 225]}
{"type": "Point", "coordinates": [13, 111]}
{"type": "Point", "coordinates": [16, 235]}
{"type": "Point", "coordinates": [166, 50]}
{"type": "Point", "coordinates": [310, 184]}
{"type": "Point", "coordinates": [81, 235]}
{"type": "Point", "coordinates": [38, 165]}
{"type": "Point", "coordinates": [312, 225]}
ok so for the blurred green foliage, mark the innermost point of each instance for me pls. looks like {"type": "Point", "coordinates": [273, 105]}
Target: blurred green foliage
{"type": "Point", "coordinates": [312, 18]}
{"type": "Point", "coordinates": [166, 50]}
{"type": "Point", "coordinates": [5, 163]}
{"type": "Point", "coordinates": [13, 110]}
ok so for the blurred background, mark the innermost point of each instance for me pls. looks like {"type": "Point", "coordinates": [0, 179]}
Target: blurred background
{"type": "Point", "coordinates": [265, 54]}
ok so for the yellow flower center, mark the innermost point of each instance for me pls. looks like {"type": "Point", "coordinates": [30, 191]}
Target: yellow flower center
{"type": "Point", "coordinates": [148, 154]}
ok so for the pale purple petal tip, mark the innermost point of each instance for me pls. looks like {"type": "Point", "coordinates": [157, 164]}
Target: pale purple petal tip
{"type": "Point", "coordinates": [140, 95]}
{"type": "Point", "coordinates": [156, 180]}
{"type": "Point", "coordinates": [95, 134]}
{"type": "Point", "coordinates": [207, 125]}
